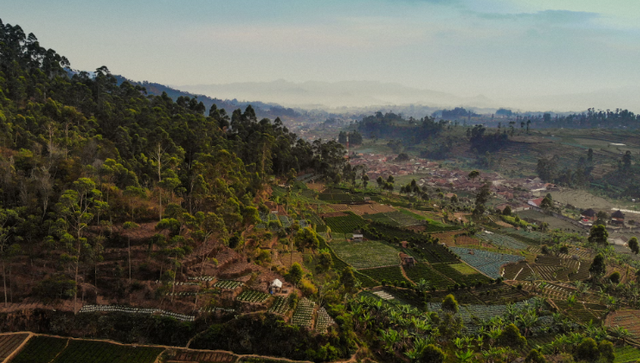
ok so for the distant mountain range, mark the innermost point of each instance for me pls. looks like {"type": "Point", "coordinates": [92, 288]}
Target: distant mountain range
{"type": "Point", "coordinates": [269, 110]}
{"type": "Point", "coordinates": [346, 94]}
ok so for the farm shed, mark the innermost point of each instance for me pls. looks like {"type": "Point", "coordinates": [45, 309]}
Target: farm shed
{"type": "Point", "coordinates": [358, 237]}
{"type": "Point", "coordinates": [535, 202]}
{"type": "Point", "coordinates": [407, 260]}
{"type": "Point", "coordinates": [276, 285]}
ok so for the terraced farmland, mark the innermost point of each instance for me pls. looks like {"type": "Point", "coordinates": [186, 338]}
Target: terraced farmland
{"type": "Point", "coordinates": [252, 296]}
{"type": "Point", "coordinates": [460, 278]}
{"type": "Point", "coordinates": [489, 263]}
{"type": "Point", "coordinates": [503, 241]}
{"type": "Point", "coordinates": [433, 277]}
{"type": "Point", "coordinates": [188, 356]}
{"type": "Point", "coordinates": [303, 316]}
{"type": "Point", "coordinates": [389, 274]}
{"type": "Point", "coordinates": [40, 349]}
{"type": "Point", "coordinates": [547, 289]}
{"type": "Point", "coordinates": [628, 319]}
{"type": "Point", "coordinates": [346, 224]}
{"type": "Point", "coordinates": [9, 343]}
{"type": "Point", "coordinates": [365, 254]}
{"type": "Point", "coordinates": [227, 284]}
{"type": "Point", "coordinates": [323, 321]}
{"type": "Point", "coordinates": [280, 305]}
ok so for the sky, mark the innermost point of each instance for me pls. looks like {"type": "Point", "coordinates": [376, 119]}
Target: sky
{"type": "Point", "coordinates": [507, 50]}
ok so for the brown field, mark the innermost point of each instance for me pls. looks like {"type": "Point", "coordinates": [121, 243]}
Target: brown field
{"type": "Point", "coordinates": [318, 187]}
{"type": "Point", "coordinates": [9, 343]}
{"type": "Point", "coordinates": [628, 319]}
{"type": "Point", "coordinates": [581, 199]}
{"type": "Point", "coordinates": [447, 238]}
{"type": "Point", "coordinates": [333, 214]}
{"type": "Point", "coordinates": [371, 209]}
{"type": "Point", "coordinates": [467, 241]}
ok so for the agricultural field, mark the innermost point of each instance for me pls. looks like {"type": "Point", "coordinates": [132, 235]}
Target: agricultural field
{"type": "Point", "coordinates": [9, 343]}
{"type": "Point", "coordinates": [40, 349]}
{"type": "Point", "coordinates": [501, 294]}
{"type": "Point", "coordinates": [365, 254]}
{"type": "Point", "coordinates": [323, 321]}
{"type": "Point", "coordinates": [581, 199]}
{"type": "Point", "coordinates": [227, 284]}
{"type": "Point", "coordinates": [390, 275]}
{"type": "Point", "coordinates": [628, 319]}
{"type": "Point", "coordinates": [554, 223]}
{"type": "Point", "coordinates": [549, 290]}
{"type": "Point", "coordinates": [489, 263]}
{"type": "Point", "coordinates": [517, 271]}
{"type": "Point", "coordinates": [346, 224]}
{"type": "Point", "coordinates": [448, 238]}
{"type": "Point", "coordinates": [381, 218]}
{"type": "Point", "coordinates": [463, 268]}
{"type": "Point", "coordinates": [503, 241]}
{"type": "Point", "coordinates": [424, 271]}
{"type": "Point", "coordinates": [530, 236]}
{"type": "Point", "coordinates": [280, 305]}
{"type": "Point", "coordinates": [252, 296]}
{"type": "Point", "coordinates": [463, 240]}
{"type": "Point", "coordinates": [190, 356]}
{"type": "Point", "coordinates": [45, 349]}
{"type": "Point", "coordinates": [339, 196]}
{"type": "Point", "coordinates": [626, 354]}
{"type": "Point", "coordinates": [460, 278]}
{"type": "Point", "coordinates": [303, 316]}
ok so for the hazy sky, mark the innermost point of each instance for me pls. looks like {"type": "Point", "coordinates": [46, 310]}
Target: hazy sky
{"type": "Point", "coordinates": [496, 48]}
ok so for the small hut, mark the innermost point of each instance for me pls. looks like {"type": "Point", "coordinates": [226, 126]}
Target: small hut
{"type": "Point", "coordinates": [617, 217]}
{"type": "Point", "coordinates": [589, 215]}
{"type": "Point", "coordinates": [276, 286]}
{"type": "Point", "coordinates": [407, 261]}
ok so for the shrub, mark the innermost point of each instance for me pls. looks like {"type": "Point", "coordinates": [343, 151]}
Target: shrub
{"type": "Point", "coordinates": [615, 277]}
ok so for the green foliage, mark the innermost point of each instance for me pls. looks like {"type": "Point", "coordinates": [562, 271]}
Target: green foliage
{"type": "Point", "coordinates": [450, 304]}
{"type": "Point", "coordinates": [598, 267]}
{"type": "Point", "coordinates": [615, 277]}
{"type": "Point", "coordinates": [511, 337]}
{"type": "Point", "coordinates": [295, 273]}
{"type": "Point", "coordinates": [598, 234]}
{"type": "Point", "coordinates": [432, 354]}
{"type": "Point", "coordinates": [633, 245]}
{"type": "Point", "coordinates": [587, 350]}
{"type": "Point", "coordinates": [55, 287]}
{"type": "Point", "coordinates": [535, 356]}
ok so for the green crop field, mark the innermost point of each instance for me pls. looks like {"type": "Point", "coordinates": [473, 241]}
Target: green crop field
{"type": "Point", "coordinates": [346, 224]}
{"type": "Point", "coordinates": [453, 273]}
{"type": "Point", "coordinates": [424, 271]}
{"type": "Point", "coordinates": [389, 274]}
{"type": "Point", "coordinates": [40, 350]}
{"type": "Point", "coordinates": [365, 254]}
{"type": "Point", "coordinates": [463, 268]}
{"type": "Point", "coordinates": [84, 351]}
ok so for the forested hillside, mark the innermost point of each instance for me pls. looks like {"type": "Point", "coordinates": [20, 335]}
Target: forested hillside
{"type": "Point", "coordinates": [80, 155]}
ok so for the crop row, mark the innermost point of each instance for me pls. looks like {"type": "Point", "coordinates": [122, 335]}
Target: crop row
{"type": "Point", "coordinates": [40, 349]}
{"type": "Point", "coordinates": [9, 343]}
{"type": "Point", "coordinates": [423, 271]}
{"type": "Point", "coordinates": [323, 321]}
{"type": "Point", "coordinates": [227, 284]}
{"type": "Point", "coordinates": [280, 305]}
{"type": "Point", "coordinates": [460, 278]}
{"type": "Point", "coordinates": [46, 349]}
{"type": "Point", "coordinates": [252, 296]}
{"type": "Point", "coordinates": [303, 316]}
{"type": "Point", "coordinates": [389, 275]}
{"type": "Point", "coordinates": [130, 310]}
{"type": "Point", "coordinates": [489, 263]}
{"type": "Point", "coordinates": [345, 224]}
{"type": "Point", "coordinates": [503, 241]}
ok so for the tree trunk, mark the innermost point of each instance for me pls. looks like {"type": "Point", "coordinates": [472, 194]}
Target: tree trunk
{"type": "Point", "coordinates": [129, 259]}
{"type": "Point", "coordinates": [4, 282]}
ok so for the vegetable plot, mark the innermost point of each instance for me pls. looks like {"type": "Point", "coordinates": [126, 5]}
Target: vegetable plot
{"type": "Point", "coordinates": [324, 321]}
{"type": "Point", "coordinates": [227, 284]}
{"type": "Point", "coordinates": [9, 343]}
{"type": "Point", "coordinates": [252, 296]}
{"type": "Point", "coordinates": [83, 351]}
{"type": "Point", "coordinates": [346, 224]}
{"type": "Point", "coordinates": [489, 263]}
{"type": "Point", "coordinates": [40, 350]}
{"type": "Point", "coordinates": [280, 305]}
{"type": "Point", "coordinates": [303, 316]}
{"type": "Point", "coordinates": [503, 241]}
